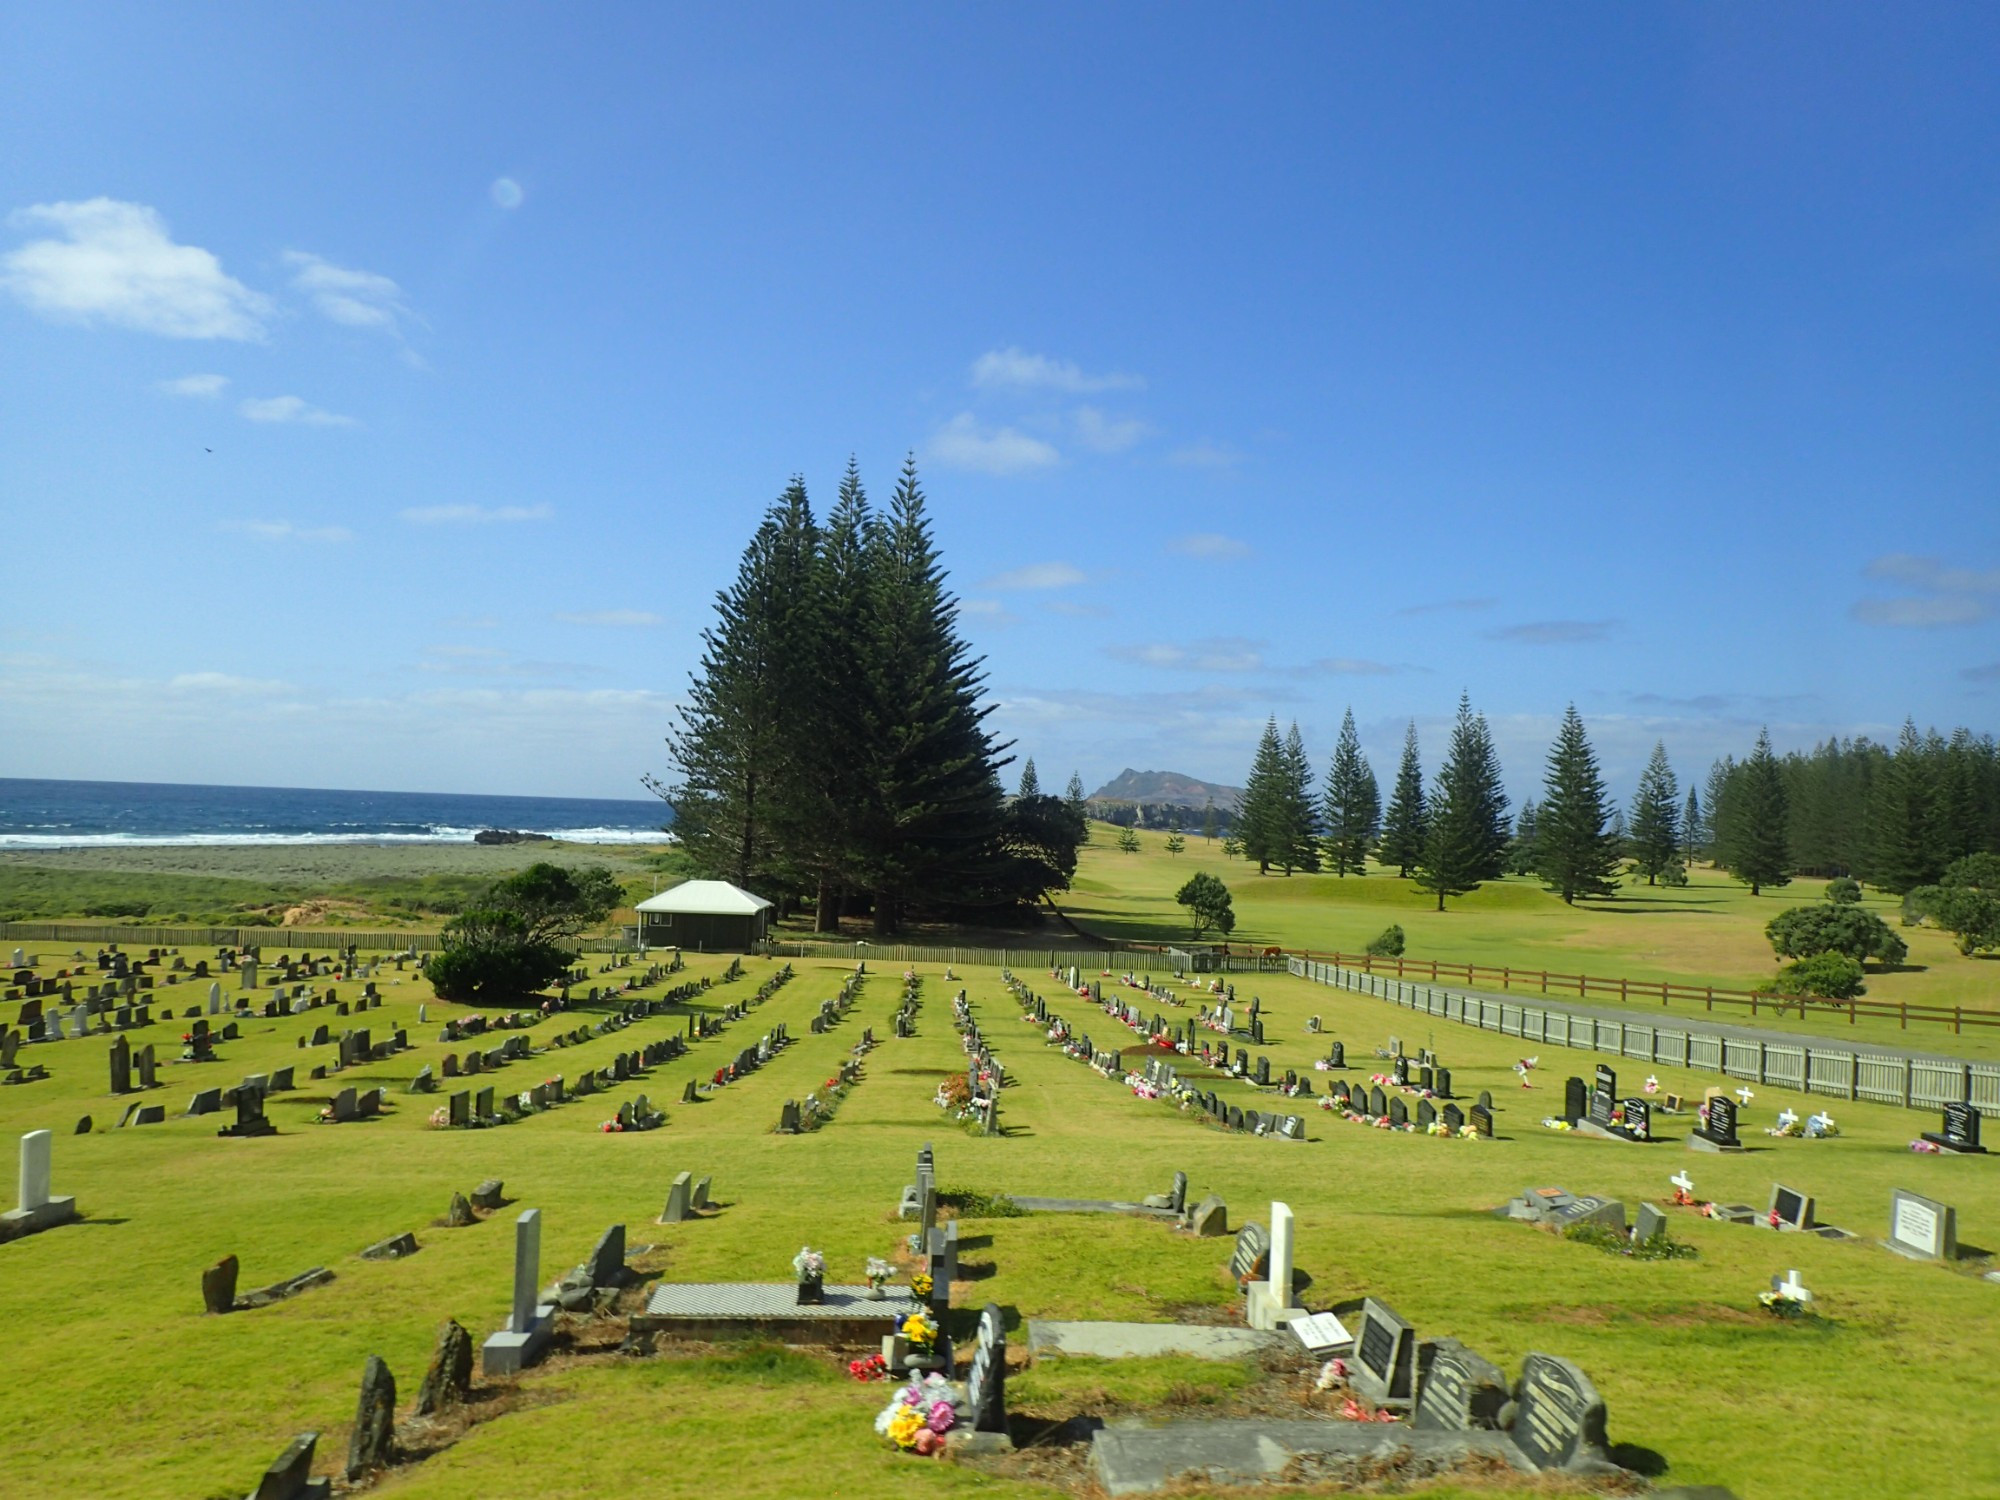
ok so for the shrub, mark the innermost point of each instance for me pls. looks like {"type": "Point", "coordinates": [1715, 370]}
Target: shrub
{"type": "Point", "coordinates": [1388, 943]}
{"type": "Point", "coordinates": [1805, 931]}
{"type": "Point", "coordinates": [117, 908]}
{"type": "Point", "coordinates": [1824, 976]}
{"type": "Point", "coordinates": [970, 1203]}
{"type": "Point", "coordinates": [1843, 892]}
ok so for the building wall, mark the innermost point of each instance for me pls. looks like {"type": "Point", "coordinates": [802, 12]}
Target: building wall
{"type": "Point", "coordinates": [698, 932]}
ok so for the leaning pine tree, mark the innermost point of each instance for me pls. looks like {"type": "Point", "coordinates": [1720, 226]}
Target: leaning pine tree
{"type": "Point", "coordinates": [1299, 818]}
{"type": "Point", "coordinates": [1574, 852]}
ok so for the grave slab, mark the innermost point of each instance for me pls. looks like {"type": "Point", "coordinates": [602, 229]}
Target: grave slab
{"type": "Point", "coordinates": [1144, 1340]}
{"type": "Point", "coordinates": [1135, 1459]}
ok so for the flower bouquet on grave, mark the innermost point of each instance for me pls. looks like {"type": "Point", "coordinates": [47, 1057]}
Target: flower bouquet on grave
{"type": "Point", "coordinates": [1332, 1375]}
{"type": "Point", "coordinates": [811, 1268]}
{"type": "Point", "coordinates": [1820, 1126]}
{"type": "Point", "coordinates": [1926, 1147]}
{"type": "Point", "coordinates": [1781, 1304]}
{"type": "Point", "coordinates": [919, 1328]}
{"type": "Point", "coordinates": [612, 1126]}
{"type": "Point", "coordinates": [921, 1284]}
{"type": "Point", "coordinates": [879, 1271]}
{"type": "Point", "coordinates": [1468, 1131]}
{"type": "Point", "coordinates": [1550, 1122]}
{"type": "Point", "coordinates": [440, 1118]}
{"type": "Point", "coordinates": [919, 1416]}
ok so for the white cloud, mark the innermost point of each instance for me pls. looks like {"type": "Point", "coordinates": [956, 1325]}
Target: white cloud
{"type": "Point", "coordinates": [1017, 369]}
{"type": "Point", "coordinates": [292, 409]}
{"type": "Point", "coordinates": [1946, 595]}
{"type": "Point", "coordinates": [224, 682]}
{"type": "Point", "coordinates": [285, 531]}
{"type": "Point", "coordinates": [205, 387]}
{"type": "Point", "coordinates": [631, 619]}
{"type": "Point", "coordinates": [963, 444]}
{"type": "Point", "coordinates": [1922, 614]}
{"type": "Point", "coordinates": [1205, 456]}
{"type": "Point", "coordinates": [1209, 546]}
{"type": "Point", "coordinates": [506, 192]}
{"type": "Point", "coordinates": [1045, 575]}
{"type": "Point", "coordinates": [1219, 654]}
{"type": "Point", "coordinates": [1105, 434]}
{"type": "Point", "coordinates": [991, 610]}
{"type": "Point", "coordinates": [116, 264]}
{"type": "Point", "coordinates": [1554, 632]}
{"type": "Point", "coordinates": [358, 299]}
{"type": "Point", "coordinates": [475, 515]}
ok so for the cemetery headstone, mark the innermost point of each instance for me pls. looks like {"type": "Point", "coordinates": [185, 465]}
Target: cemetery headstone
{"type": "Point", "coordinates": [1959, 1132]}
{"type": "Point", "coordinates": [1559, 1420]}
{"type": "Point", "coordinates": [1922, 1228]}
{"type": "Point", "coordinates": [1461, 1392]}
{"type": "Point", "coordinates": [1718, 1132]}
{"type": "Point", "coordinates": [1385, 1357]}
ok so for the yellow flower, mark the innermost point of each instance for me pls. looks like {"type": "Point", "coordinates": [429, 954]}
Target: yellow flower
{"type": "Point", "coordinates": [918, 1329]}
{"type": "Point", "coordinates": [904, 1427]}
{"type": "Point", "coordinates": [921, 1283]}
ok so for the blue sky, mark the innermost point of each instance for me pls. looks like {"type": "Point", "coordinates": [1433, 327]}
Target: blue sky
{"type": "Point", "coordinates": [385, 391]}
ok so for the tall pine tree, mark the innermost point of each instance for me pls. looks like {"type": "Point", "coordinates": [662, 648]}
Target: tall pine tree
{"type": "Point", "coordinates": [1656, 818]}
{"type": "Point", "coordinates": [1031, 784]}
{"type": "Point", "coordinates": [1574, 852]}
{"type": "Point", "coordinates": [1353, 807]}
{"type": "Point", "coordinates": [1403, 829]}
{"type": "Point", "coordinates": [936, 801]}
{"type": "Point", "coordinates": [1300, 818]}
{"type": "Point", "coordinates": [1467, 838]}
{"type": "Point", "coordinates": [1694, 827]}
{"type": "Point", "coordinates": [1261, 814]}
{"type": "Point", "coordinates": [1759, 845]}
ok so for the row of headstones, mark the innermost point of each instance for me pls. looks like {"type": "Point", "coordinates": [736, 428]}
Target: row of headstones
{"type": "Point", "coordinates": [37, 1025]}
{"type": "Point", "coordinates": [795, 1117]}
{"type": "Point", "coordinates": [986, 1073]}
{"type": "Point", "coordinates": [1558, 1419]}
{"type": "Point", "coordinates": [1370, 1100]}
{"type": "Point", "coordinates": [514, 1049]}
{"type": "Point", "coordinates": [1251, 1121]}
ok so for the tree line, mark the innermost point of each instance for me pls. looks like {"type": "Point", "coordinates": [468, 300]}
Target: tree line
{"type": "Point", "coordinates": [1903, 819]}
{"type": "Point", "coordinates": [832, 747]}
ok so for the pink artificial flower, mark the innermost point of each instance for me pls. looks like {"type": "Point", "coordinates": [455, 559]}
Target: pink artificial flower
{"type": "Point", "coordinates": [942, 1417]}
{"type": "Point", "coordinates": [927, 1443]}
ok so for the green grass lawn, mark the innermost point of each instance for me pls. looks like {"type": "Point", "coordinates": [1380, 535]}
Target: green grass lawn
{"type": "Point", "coordinates": [1709, 932]}
{"type": "Point", "coordinates": [125, 1388]}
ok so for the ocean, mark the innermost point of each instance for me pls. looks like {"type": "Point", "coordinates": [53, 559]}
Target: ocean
{"type": "Point", "coordinates": [82, 814]}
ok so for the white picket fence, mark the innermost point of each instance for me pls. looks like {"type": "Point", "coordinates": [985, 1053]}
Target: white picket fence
{"type": "Point", "coordinates": [1913, 1081]}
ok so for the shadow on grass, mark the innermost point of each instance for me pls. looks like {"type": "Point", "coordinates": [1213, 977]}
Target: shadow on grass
{"type": "Point", "coordinates": [1639, 1460]}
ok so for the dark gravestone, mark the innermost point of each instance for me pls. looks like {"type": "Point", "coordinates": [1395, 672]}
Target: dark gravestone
{"type": "Point", "coordinates": [373, 1443]}
{"type": "Point", "coordinates": [121, 1066]}
{"type": "Point", "coordinates": [1453, 1117]}
{"type": "Point", "coordinates": [606, 1265]}
{"type": "Point", "coordinates": [1426, 1114]}
{"type": "Point", "coordinates": [490, 1195]}
{"type": "Point", "coordinates": [1425, 1079]}
{"type": "Point", "coordinates": [449, 1380]}
{"type": "Point", "coordinates": [1485, 1099]}
{"type": "Point", "coordinates": [1261, 1074]}
{"type": "Point", "coordinates": [1378, 1102]}
{"type": "Point", "coordinates": [218, 1285]}
{"type": "Point", "coordinates": [1461, 1392]}
{"type": "Point", "coordinates": [1251, 1259]}
{"type": "Point", "coordinates": [1441, 1082]}
{"type": "Point", "coordinates": [1339, 1093]}
{"type": "Point", "coordinates": [290, 1474]}
{"type": "Point", "coordinates": [459, 1214]}
{"type": "Point", "coordinates": [1385, 1356]}
{"type": "Point", "coordinates": [1603, 1097]}
{"type": "Point", "coordinates": [83, 1126]}
{"type": "Point", "coordinates": [1960, 1131]}
{"type": "Point", "coordinates": [1790, 1209]}
{"type": "Point", "coordinates": [1210, 1218]}
{"type": "Point", "coordinates": [1638, 1119]}
{"type": "Point", "coordinates": [1482, 1122]}
{"type": "Point", "coordinates": [1235, 1117]}
{"type": "Point", "coordinates": [1651, 1224]}
{"type": "Point", "coordinates": [1337, 1055]}
{"type": "Point", "coordinates": [1720, 1129]}
{"type": "Point", "coordinates": [1399, 1114]}
{"type": "Point", "coordinates": [1559, 1419]}
{"type": "Point", "coordinates": [986, 1383]}
{"type": "Point", "coordinates": [1399, 1072]}
{"type": "Point", "coordinates": [1576, 1099]}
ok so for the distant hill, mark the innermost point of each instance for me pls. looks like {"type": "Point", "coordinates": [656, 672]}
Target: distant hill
{"type": "Point", "coordinates": [1164, 788]}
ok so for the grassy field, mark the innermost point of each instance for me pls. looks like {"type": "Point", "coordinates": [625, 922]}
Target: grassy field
{"type": "Point", "coordinates": [1709, 932]}
{"type": "Point", "coordinates": [132, 1391]}
{"type": "Point", "coordinates": [309, 885]}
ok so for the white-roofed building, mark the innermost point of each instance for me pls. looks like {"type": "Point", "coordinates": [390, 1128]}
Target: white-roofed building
{"type": "Point", "coordinates": [709, 916]}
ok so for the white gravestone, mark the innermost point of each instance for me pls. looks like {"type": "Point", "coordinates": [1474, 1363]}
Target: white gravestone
{"type": "Point", "coordinates": [38, 1208]}
{"type": "Point", "coordinates": [530, 1319]}
{"type": "Point", "coordinates": [1270, 1302]}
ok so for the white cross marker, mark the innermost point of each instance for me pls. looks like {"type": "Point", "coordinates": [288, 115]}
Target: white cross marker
{"type": "Point", "coordinates": [1684, 1182]}
{"type": "Point", "coordinates": [1791, 1287]}
{"type": "Point", "coordinates": [1745, 1095]}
